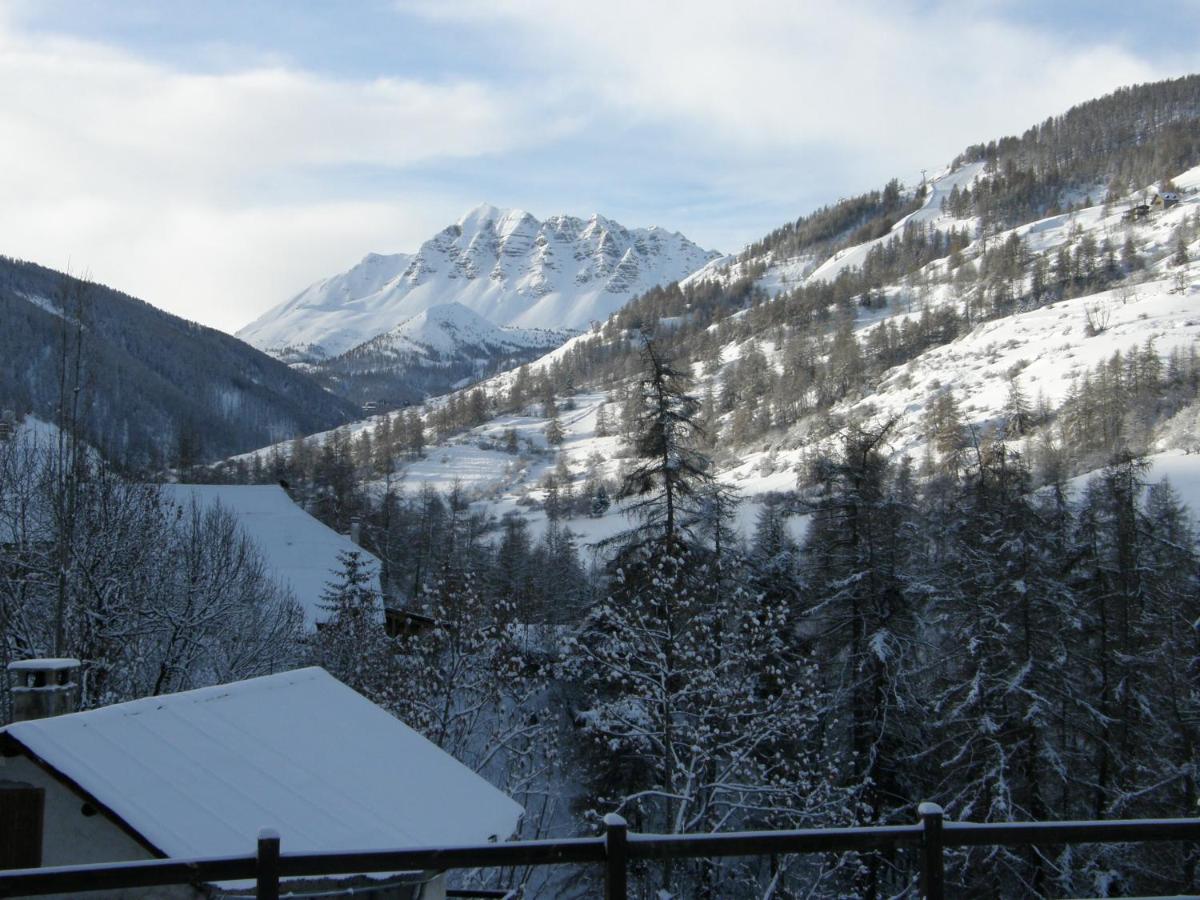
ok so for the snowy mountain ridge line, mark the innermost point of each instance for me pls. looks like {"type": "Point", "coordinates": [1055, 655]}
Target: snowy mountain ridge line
{"type": "Point", "coordinates": [502, 264]}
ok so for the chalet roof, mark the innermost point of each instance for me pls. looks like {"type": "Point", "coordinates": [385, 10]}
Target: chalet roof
{"type": "Point", "coordinates": [301, 551]}
{"type": "Point", "coordinates": [199, 773]}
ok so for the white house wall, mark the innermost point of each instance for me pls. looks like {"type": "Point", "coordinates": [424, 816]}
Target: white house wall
{"type": "Point", "coordinates": [71, 838]}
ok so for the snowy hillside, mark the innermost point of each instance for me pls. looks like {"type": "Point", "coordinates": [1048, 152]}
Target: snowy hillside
{"type": "Point", "coordinates": [776, 272]}
{"type": "Point", "coordinates": [502, 264]}
{"type": "Point", "coordinates": [1045, 350]}
{"type": "Point", "coordinates": [438, 350]}
{"type": "Point", "coordinates": [448, 331]}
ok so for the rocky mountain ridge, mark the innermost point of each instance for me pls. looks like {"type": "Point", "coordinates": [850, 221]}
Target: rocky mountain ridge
{"type": "Point", "coordinates": [504, 265]}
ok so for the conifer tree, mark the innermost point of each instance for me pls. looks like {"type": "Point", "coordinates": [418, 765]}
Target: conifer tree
{"type": "Point", "coordinates": [511, 444]}
{"type": "Point", "coordinates": [857, 604]}
{"type": "Point", "coordinates": [351, 644]}
{"type": "Point", "coordinates": [600, 502]}
{"type": "Point", "coordinates": [414, 434]}
{"type": "Point", "coordinates": [668, 470]}
{"type": "Point", "coordinates": [554, 432]}
{"type": "Point", "coordinates": [604, 425]}
{"type": "Point", "coordinates": [1180, 257]}
{"type": "Point", "coordinates": [1017, 411]}
{"type": "Point", "coordinates": [1003, 614]}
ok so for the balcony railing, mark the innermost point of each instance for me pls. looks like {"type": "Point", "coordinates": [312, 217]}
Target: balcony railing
{"type": "Point", "coordinates": [614, 850]}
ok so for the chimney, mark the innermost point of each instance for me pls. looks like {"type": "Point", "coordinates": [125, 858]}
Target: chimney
{"type": "Point", "coordinates": [356, 530]}
{"type": "Point", "coordinates": [42, 688]}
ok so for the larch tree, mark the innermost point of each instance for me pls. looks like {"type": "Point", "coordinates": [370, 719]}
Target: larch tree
{"type": "Point", "coordinates": [668, 469]}
{"type": "Point", "coordinates": [859, 606]}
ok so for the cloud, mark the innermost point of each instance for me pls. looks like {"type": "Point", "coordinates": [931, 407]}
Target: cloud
{"type": "Point", "coordinates": [765, 109]}
{"type": "Point", "coordinates": [220, 265]}
{"type": "Point", "coordinates": [218, 193]}
{"type": "Point", "coordinates": [161, 181]}
{"type": "Point", "coordinates": [777, 76]}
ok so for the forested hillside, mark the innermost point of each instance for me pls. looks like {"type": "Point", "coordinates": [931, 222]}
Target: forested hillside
{"type": "Point", "coordinates": [146, 387]}
{"type": "Point", "coordinates": [1105, 148]}
{"type": "Point", "coordinates": [806, 544]}
{"type": "Point", "coordinates": [1109, 147]}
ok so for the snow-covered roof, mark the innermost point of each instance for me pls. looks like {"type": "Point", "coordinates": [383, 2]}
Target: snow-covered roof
{"type": "Point", "coordinates": [200, 773]}
{"type": "Point", "coordinates": [51, 664]}
{"type": "Point", "coordinates": [301, 552]}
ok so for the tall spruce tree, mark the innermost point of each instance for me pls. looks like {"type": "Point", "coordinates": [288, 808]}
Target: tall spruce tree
{"type": "Point", "coordinates": [352, 644]}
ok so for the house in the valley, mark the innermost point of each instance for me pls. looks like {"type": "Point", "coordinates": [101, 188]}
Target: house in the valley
{"type": "Point", "coordinates": [201, 773]}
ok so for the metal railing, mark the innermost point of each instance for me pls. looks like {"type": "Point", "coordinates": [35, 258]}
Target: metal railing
{"type": "Point", "coordinates": [614, 850]}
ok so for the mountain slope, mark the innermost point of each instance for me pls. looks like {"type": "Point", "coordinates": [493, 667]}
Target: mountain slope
{"type": "Point", "coordinates": [779, 387]}
{"type": "Point", "coordinates": [502, 264]}
{"type": "Point", "coordinates": [431, 353]}
{"type": "Point", "coordinates": [1067, 338]}
{"type": "Point", "coordinates": [149, 379]}
{"type": "Point", "coordinates": [449, 330]}
{"type": "Point", "coordinates": [1110, 147]}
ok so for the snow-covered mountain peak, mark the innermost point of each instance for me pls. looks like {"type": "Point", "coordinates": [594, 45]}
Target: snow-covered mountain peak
{"type": "Point", "coordinates": [478, 214]}
{"type": "Point", "coordinates": [486, 217]}
{"type": "Point", "coordinates": [504, 265]}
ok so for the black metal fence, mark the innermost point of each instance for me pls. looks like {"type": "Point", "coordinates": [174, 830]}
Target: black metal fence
{"type": "Point", "coordinates": [614, 850]}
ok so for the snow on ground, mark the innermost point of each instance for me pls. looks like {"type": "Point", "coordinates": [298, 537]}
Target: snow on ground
{"type": "Point", "coordinates": [930, 213]}
{"type": "Point", "coordinates": [1043, 349]}
{"type": "Point", "coordinates": [31, 429]}
{"type": "Point", "coordinates": [500, 482]}
{"type": "Point", "coordinates": [1180, 468]}
{"type": "Point", "coordinates": [33, 443]}
{"type": "Point", "coordinates": [1046, 348]}
{"type": "Point", "coordinates": [784, 273]}
{"type": "Point", "coordinates": [446, 330]}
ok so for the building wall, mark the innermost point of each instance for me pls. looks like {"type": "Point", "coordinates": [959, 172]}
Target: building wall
{"type": "Point", "coordinates": [71, 838]}
{"type": "Point", "coordinates": [434, 889]}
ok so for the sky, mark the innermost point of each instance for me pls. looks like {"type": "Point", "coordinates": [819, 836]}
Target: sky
{"type": "Point", "coordinates": [214, 158]}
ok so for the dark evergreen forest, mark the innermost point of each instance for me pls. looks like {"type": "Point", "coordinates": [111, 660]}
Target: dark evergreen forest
{"type": "Point", "coordinates": [154, 389]}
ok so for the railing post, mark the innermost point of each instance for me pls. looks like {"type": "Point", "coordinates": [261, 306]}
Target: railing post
{"type": "Point", "coordinates": [267, 870]}
{"type": "Point", "coordinates": [616, 850]}
{"type": "Point", "coordinates": [933, 872]}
